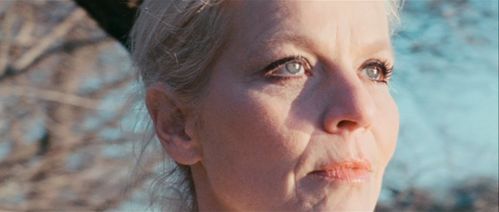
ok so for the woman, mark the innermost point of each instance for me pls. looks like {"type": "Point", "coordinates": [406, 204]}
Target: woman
{"type": "Point", "coordinates": [272, 105]}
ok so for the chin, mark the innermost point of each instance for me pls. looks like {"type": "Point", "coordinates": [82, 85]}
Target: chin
{"type": "Point", "coordinates": [352, 203]}
{"type": "Point", "coordinates": [319, 194]}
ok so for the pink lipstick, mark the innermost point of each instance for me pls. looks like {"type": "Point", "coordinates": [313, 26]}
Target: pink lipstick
{"type": "Point", "coordinates": [345, 172]}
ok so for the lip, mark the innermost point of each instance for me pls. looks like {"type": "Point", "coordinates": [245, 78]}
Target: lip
{"type": "Point", "coordinates": [352, 171]}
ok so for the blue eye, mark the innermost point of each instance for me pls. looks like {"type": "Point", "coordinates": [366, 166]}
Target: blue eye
{"type": "Point", "coordinates": [289, 67]}
{"type": "Point", "coordinates": [373, 73]}
{"type": "Point", "coordinates": [377, 70]}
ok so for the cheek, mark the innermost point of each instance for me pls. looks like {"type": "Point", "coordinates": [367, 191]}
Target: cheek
{"type": "Point", "coordinates": [247, 147]}
{"type": "Point", "coordinates": [386, 126]}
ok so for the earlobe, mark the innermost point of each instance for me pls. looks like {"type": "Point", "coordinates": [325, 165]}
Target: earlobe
{"type": "Point", "coordinates": [170, 121]}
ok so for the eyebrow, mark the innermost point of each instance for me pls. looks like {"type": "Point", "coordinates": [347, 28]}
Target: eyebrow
{"type": "Point", "coordinates": [277, 37]}
{"type": "Point", "coordinates": [374, 47]}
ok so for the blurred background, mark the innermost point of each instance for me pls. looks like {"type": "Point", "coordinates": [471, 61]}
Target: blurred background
{"type": "Point", "coordinates": [71, 125]}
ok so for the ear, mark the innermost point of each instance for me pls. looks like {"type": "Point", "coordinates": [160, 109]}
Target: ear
{"type": "Point", "coordinates": [172, 124]}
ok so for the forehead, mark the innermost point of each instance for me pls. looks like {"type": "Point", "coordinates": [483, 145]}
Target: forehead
{"type": "Point", "coordinates": [318, 24]}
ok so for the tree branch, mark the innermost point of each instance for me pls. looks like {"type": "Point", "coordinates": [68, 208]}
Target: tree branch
{"type": "Point", "coordinates": [49, 95]}
{"type": "Point", "coordinates": [116, 17]}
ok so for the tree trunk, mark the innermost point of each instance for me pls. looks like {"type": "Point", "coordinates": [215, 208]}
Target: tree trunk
{"type": "Point", "coordinates": [113, 16]}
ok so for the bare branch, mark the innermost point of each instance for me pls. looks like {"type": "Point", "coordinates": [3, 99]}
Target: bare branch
{"type": "Point", "coordinates": [36, 51]}
{"type": "Point", "coordinates": [6, 40]}
{"type": "Point", "coordinates": [50, 95]}
{"type": "Point", "coordinates": [48, 40]}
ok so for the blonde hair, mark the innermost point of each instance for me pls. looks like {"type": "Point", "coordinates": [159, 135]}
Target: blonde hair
{"type": "Point", "coordinates": [175, 42]}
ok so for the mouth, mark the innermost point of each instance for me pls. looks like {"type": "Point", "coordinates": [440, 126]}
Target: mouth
{"type": "Point", "coordinates": [357, 171]}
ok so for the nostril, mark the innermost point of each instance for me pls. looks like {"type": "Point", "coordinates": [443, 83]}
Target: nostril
{"type": "Point", "coordinates": [346, 124]}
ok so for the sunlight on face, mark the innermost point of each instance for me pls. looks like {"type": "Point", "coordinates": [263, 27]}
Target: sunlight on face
{"type": "Point", "coordinates": [297, 113]}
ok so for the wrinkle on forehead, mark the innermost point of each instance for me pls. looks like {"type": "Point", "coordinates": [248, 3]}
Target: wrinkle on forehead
{"type": "Point", "coordinates": [262, 24]}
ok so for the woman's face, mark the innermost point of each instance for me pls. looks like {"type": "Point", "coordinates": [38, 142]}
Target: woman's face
{"type": "Point", "coordinates": [297, 113]}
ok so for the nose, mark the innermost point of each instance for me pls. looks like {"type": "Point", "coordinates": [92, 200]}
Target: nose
{"type": "Point", "coordinates": [351, 107]}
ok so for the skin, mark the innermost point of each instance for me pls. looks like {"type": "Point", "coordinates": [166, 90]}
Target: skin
{"type": "Point", "coordinates": [252, 142]}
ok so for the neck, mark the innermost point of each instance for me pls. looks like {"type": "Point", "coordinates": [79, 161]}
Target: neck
{"type": "Point", "coordinates": [207, 199]}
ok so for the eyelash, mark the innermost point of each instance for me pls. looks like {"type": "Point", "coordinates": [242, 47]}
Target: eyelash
{"type": "Point", "coordinates": [384, 66]}
{"type": "Point", "coordinates": [283, 61]}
